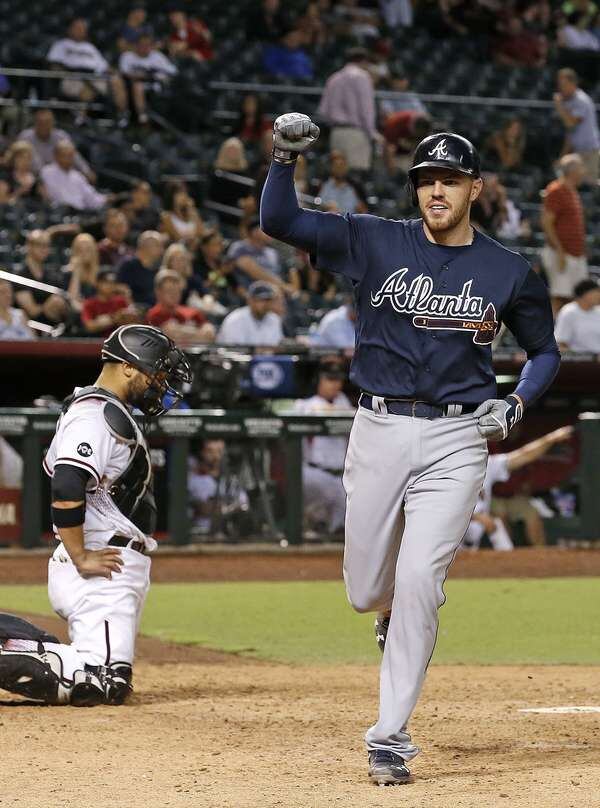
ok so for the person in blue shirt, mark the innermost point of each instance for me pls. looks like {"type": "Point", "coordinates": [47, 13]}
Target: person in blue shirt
{"type": "Point", "coordinates": [431, 294]}
{"type": "Point", "coordinates": [287, 59]}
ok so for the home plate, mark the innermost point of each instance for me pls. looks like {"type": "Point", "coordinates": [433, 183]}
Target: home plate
{"type": "Point", "coordinates": [561, 710]}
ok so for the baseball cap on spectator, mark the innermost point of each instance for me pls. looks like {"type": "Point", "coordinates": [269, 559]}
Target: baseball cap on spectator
{"type": "Point", "coordinates": [261, 290]}
{"type": "Point", "coordinates": [585, 286]}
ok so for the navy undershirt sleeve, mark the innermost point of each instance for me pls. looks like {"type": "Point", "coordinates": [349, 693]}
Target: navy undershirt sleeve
{"type": "Point", "coordinates": [529, 317]}
{"type": "Point", "coordinates": [334, 242]}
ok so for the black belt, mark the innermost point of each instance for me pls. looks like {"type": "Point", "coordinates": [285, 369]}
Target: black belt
{"type": "Point", "coordinates": [416, 409]}
{"type": "Point", "coordinates": [123, 541]}
{"type": "Point", "coordinates": [335, 472]}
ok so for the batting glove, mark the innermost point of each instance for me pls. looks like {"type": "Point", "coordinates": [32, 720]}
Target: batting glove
{"type": "Point", "coordinates": [293, 133]}
{"type": "Point", "coordinates": [496, 417]}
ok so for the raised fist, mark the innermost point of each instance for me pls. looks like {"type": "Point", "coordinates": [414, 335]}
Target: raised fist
{"type": "Point", "coordinates": [293, 133]}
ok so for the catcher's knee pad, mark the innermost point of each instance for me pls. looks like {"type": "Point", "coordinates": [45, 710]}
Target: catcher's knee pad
{"type": "Point", "coordinates": [100, 684]}
{"type": "Point", "coordinates": [34, 674]}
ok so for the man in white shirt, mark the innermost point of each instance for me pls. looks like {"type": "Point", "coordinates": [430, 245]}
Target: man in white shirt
{"type": "Point", "coordinates": [256, 323]}
{"type": "Point", "coordinates": [67, 186]}
{"type": "Point", "coordinates": [147, 69]}
{"type": "Point", "coordinates": [323, 457]}
{"type": "Point", "coordinates": [44, 136]}
{"type": "Point", "coordinates": [499, 469]}
{"type": "Point", "coordinates": [337, 329]}
{"type": "Point", "coordinates": [75, 52]}
{"type": "Point", "coordinates": [578, 323]}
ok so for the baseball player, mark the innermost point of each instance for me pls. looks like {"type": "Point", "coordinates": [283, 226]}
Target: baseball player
{"type": "Point", "coordinates": [430, 296]}
{"type": "Point", "coordinates": [323, 456]}
{"type": "Point", "coordinates": [499, 469]}
{"type": "Point", "coordinates": [103, 515]}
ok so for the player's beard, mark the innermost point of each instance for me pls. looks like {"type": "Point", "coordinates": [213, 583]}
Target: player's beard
{"type": "Point", "coordinates": [138, 393]}
{"type": "Point", "coordinates": [449, 222]}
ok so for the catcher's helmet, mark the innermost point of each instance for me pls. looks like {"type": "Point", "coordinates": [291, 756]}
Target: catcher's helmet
{"type": "Point", "coordinates": [444, 150]}
{"type": "Point", "coordinates": [149, 350]}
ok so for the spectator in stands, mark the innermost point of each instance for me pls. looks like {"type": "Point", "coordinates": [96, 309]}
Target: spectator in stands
{"type": "Point", "coordinates": [45, 307]}
{"type": "Point", "coordinates": [323, 457]}
{"type": "Point", "coordinates": [255, 323]}
{"type": "Point", "coordinates": [65, 185]}
{"type": "Point", "coordinates": [214, 270]}
{"type": "Point", "coordinates": [348, 106]}
{"type": "Point", "coordinates": [136, 24]}
{"type": "Point", "coordinates": [314, 287]}
{"type": "Point", "coordinates": [18, 178]}
{"type": "Point", "coordinates": [358, 22]}
{"type": "Point", "coordinates": [177, 258]}
{"type": "Point", "coordinates": [315, 32]}
{"type": "Point", "coordinates": [337, 328]}
{"type": "Point", "coordinates": [564, 256]}
{"type": "Point", "coordinates": [577, 112]}
{"type": "Point", "coordinates": [232, 189]}
{"type": "Point", "coordinates": [138, 271]}
{"type": "Point", "coordinates": [113, 248]}
{"type": "Point", "coordinates": [108, 308]}
{"type": "Point", "coordinates": [397, 13]}
{"type": "Point", "coordinates": [141, 210]}
{"type": "Point", "coordinates": [189, 36]}
{"type": "Point", "coordinates": [147, 70]}
{"type": "Point", "coordinates": [486, 518]}
{"type": "Point", "coordinates": [254, 259]}
{"type": "Point", "coordinates": [76, 53]}
{"type": "Point", "coordinates": [519, 47]}
{"type": "Point", "coordinates": [507, 144]}
{"type": "Point", "coordinates": [402, 131]}
{"type": "Point", "coordinates": [266, 21]}
{"type": "Point", "coordinates": [575, 34]}
{"type": "Point", "coordinates": [13, 323]}
{"type": "Point", "coordinates": [287, 59]}
{"type": "Point", "coordinates": [82, 269]}
{"type": "Point", "coordinates": [185, 325]}
{"type": "Point", "coordinates": [44, 137]}
{"type": "Point", "coordinates": [494, 213]}
{"type": "Point", "coordinates": [399, 83]}
{"type": "Point", "coordinates": [489, 211]}
{"type": "Point", "coordinates": [338, 195]}
{"type": "Point", "coordinates": [252, 122]}
{"type": "Point", "coordinates": [578, 322]}
{"type": "Point", "coordinates": [180, 219]}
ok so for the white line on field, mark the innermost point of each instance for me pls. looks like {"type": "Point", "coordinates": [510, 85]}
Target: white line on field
{"type": "Point", "coordinates": [561, 710]}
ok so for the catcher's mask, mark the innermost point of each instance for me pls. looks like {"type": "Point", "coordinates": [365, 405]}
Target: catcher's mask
{"type": "Point", "coordinates": [154, 354]}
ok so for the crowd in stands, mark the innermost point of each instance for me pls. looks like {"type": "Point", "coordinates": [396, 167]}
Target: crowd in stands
{"type": "Point", "coordinates": [191, 257]}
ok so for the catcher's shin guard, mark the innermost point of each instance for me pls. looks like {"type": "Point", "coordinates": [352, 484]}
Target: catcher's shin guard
{"type": "Point", "coordinates": [34, 674]}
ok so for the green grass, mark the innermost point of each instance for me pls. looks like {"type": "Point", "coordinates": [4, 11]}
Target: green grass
{"type": "Point", "coordinates": [484, 621]}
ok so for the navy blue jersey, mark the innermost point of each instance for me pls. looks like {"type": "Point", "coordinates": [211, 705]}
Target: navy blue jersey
{"type": "Point", "coordinates": [426, 314]}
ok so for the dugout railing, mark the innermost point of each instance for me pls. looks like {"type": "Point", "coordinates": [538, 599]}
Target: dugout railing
{"type": "Point", "coordinates": [32, 429]}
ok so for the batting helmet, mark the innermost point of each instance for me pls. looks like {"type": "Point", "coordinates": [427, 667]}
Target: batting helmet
{"type": "Point", "coordinates": [149, 350]}
{"type": "Point", "coordinates": [443, 150]}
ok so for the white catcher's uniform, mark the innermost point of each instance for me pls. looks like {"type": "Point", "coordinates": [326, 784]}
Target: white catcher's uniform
{"type": "Point", "coordinates": [497, 472]}
{"type": "Point", "coordinates": [323, 463]}
{"type": "Point", "coordinates": [102, 614]}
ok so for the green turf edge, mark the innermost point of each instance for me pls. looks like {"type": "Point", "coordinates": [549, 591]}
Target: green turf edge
{"type": "Point", "coordinates": [491, 621]}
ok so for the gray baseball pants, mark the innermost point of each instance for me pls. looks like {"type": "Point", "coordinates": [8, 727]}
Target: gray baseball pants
{"type": "Point", "coordinates": [411, 486]}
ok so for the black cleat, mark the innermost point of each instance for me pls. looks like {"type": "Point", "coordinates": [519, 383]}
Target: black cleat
{"type": "Point", "coordinates": [387, 768]}
{"type": "Point", "coordinates": [382, 623]}
{"type": "Point", "coordinates": [87, 690]}
{"type": "Point", "coordinates": [29, 676]}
